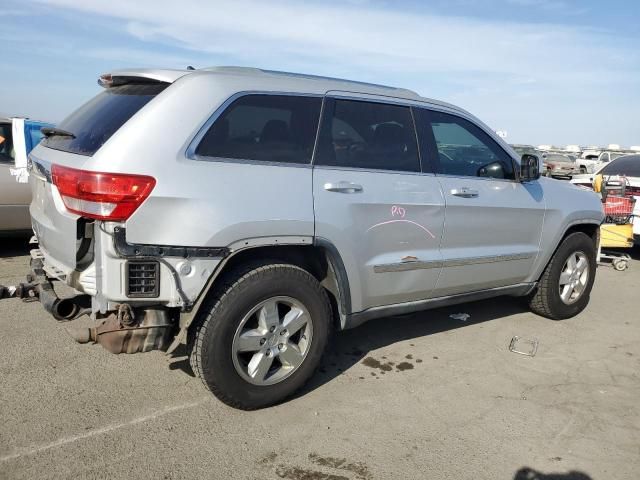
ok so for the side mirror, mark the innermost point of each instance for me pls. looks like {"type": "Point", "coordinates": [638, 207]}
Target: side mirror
{"type": "Point", "coordinates": [529, 168]}
{"type": "Point", "coordinates": [491, 170]}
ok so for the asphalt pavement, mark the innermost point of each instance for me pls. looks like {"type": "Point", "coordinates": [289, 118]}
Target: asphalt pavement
{"type": "Point", "coordinates": [422, 396]}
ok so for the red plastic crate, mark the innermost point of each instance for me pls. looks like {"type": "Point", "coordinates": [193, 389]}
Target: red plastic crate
{"type": "Point", "coordinates": [615, 205]}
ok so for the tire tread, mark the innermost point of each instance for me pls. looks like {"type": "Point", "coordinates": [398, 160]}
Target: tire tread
{"type": "Point", "coordinates": [228, 290]}
{"type": "Point", "coordinates": [540, 301]}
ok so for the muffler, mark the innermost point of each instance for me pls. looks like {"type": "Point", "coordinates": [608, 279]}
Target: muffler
{"type": "Point", "coordinates": [124, 332]}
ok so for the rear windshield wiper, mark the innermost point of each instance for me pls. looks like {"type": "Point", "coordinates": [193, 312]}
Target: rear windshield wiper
{"type": "Point", "coordinates": [56, 132]}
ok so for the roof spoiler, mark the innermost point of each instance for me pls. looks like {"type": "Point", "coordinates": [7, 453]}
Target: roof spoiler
{"type": "Point", "coordinates": [143, 75]}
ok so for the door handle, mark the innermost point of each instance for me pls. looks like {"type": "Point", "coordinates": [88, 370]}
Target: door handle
{"type": "Point", "coordinates": [343, 187]}
{"type": "Point", "coordinates": [465, 192]}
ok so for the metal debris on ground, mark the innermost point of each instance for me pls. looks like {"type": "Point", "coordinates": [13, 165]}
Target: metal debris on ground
{"type": "Point", "coordinates": [460, 316]}
{"type": "Point", "coordinates": [524, 346]}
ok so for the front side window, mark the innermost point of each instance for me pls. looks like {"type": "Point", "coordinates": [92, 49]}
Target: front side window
{"type": "Point", "coordinates": [463, 149]}
{"type": "Point", "coordinates": [7, 154]}
{"type": "Point", "coordinates": [272, 128]}
{"type": "Point", "coordinates": [367, 135]}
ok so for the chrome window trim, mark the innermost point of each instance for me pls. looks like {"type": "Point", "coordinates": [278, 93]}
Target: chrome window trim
{"type": "Point", "coordinates": [247, 161]}
{"type": "Point", "coordinates": [193, 143]}
{"type": "Point", "coordinates": [367, 97]}
{"type": "Point", "coordinates": [467, 177]}
{"type": "Point", "coordinates": [371, 170]}
{"type": "Point", "coordinates": [190, 152]}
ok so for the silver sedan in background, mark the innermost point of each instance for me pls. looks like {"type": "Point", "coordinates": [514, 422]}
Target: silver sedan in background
{"type": "Point", "coordinates": [18, 136]}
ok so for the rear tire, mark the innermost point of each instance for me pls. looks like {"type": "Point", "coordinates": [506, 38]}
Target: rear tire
{"type": "Point", "coordinates": [254, 305]}
{"type": "Point", "coordinates": [563, 290]}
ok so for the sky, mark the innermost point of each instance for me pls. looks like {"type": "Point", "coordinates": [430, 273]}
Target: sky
{"type": "Point", "coordinates": [545, 71]}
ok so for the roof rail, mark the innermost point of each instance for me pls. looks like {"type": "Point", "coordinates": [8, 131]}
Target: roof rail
{"type": "Point", "coordinates": [253, 70]}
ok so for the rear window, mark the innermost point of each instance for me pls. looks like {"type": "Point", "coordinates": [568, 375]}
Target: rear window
{"type": "Point", "coordinates": [557, 158]}
{"type": "Point", "coordinates": [271, 128]}
{"type": "Point", "coordinates": [98, 119]}
{"type": "Point", "coordinates": [628, 165]}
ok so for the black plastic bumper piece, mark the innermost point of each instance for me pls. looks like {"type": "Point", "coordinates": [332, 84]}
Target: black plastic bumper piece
{"type": "Point", "coordinates": [131, 250]}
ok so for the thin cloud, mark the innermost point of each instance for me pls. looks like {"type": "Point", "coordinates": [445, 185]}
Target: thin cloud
{"type": "Point", "coordinates": [497, 69]}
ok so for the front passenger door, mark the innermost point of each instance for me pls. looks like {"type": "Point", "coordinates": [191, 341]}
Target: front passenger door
{"type": "Point", "coordinates": [493, 222]}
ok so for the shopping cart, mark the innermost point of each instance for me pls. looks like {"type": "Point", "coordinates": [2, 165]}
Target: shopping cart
{"type": "Point", "coordinates": [617, 229]}
{"type": "Point", "coordinates": [618, 209]}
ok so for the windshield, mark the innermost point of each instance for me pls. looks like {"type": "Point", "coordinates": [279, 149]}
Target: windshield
{"type": "Point", "coordinates": [98, 119]}
{"type": "Point", "coordinates": [628, 165]}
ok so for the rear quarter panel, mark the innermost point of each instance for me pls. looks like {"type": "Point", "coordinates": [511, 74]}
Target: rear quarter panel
{"type": "Point", "coordinates": [202, 203]}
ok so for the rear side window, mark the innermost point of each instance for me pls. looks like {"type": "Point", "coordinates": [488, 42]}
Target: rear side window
{"type": "Point", "coordinates": [368, 135]}
{"type": "Point", "coordinates": [270, 128]}
{"type": "Point", "coordinates": [7, 154]}
{"type": "Point", "coordinates": [98, 119]}
{"type": "Point", "coordinates": [463, 149]}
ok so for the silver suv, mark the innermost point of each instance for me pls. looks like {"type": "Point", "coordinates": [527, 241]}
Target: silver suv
{"type": "Point", "coordinates": [247, 213]}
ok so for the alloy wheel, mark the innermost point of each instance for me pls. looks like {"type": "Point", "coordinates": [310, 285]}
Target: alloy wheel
{"type": "Point", "coordinates": [272, 340]}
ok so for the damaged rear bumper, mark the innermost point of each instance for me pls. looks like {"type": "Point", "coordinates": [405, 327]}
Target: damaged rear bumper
{"type": "Point", "coordinates": [125, 330]}
{"type": "Point", "coordinates": [39, 287]}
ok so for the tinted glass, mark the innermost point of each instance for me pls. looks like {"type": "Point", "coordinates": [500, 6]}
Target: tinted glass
{"type": "Point", "coordinates": [7, 153]}
{"type": "Point", "coordinates": [628, 165]}
{"type": "Point", "coordinates": [368, 135]}
{"type": "Point", "coordinates": [463, 149]}
{"type": "Point", "coordinates": [273, 128]}
{"type": "Point", "coordinates": [34, 134]}
{"type": "Point", "coordinates": [97, 120]}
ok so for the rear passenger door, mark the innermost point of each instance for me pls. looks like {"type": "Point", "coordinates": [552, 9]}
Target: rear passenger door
{"type": "Point", "coordinates": [493, 222]}
{"type": "Point", "coordinates": [374, 204]}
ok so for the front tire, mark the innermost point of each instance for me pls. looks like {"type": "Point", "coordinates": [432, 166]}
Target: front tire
{"type": "Point", "coordinates": [564, 288]}
{"type": "Point", "coordinates": [261, 336]}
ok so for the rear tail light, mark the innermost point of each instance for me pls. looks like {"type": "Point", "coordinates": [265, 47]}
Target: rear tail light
{"type": "Point", "coordinates": [103, 196]}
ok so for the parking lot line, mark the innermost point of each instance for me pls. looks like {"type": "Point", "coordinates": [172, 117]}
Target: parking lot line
{"type": "Point", "coordinates": [21, 452]}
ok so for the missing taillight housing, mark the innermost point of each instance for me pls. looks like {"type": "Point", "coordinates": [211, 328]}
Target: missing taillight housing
{"type": "Point", "coordinates": [100, 195]}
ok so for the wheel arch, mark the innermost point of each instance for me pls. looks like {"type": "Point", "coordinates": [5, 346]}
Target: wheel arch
{"type": "Point", "coordinates": [592, 230]}
{"type": "Point", "coordinates": [321, 259]}
{"type": "Point", "coordinates": [589, 228]}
